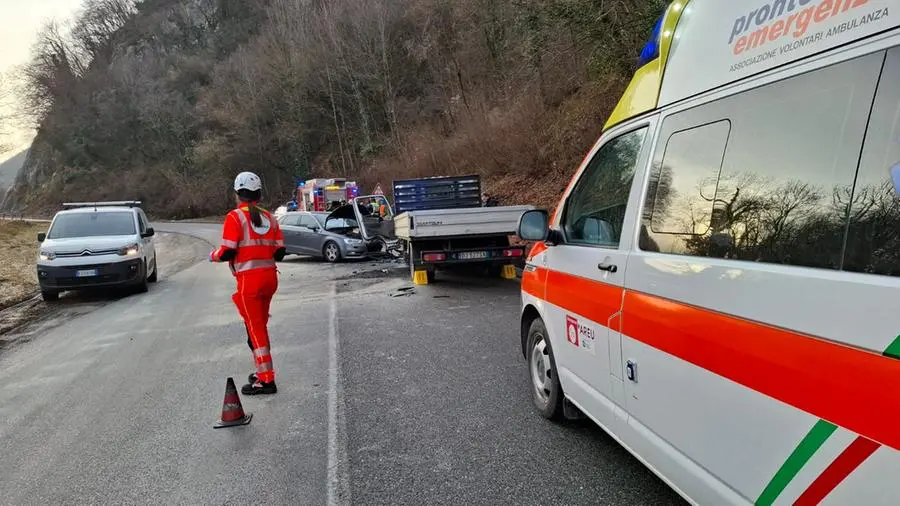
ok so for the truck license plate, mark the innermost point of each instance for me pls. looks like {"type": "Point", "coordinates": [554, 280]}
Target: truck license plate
{"type": "Point", "coordinates": [87, 273]}
{"type": "Point", "coordinates": [472, 255]}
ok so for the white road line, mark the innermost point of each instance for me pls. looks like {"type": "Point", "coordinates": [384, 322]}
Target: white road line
{"type": "Point", "coordinates": [338, 490]}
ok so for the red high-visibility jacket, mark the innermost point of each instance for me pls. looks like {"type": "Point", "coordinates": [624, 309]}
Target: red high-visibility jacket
{"type": "Point", "coordinates": [255, 247]}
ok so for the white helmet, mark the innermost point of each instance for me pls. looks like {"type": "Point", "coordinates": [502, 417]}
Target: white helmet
{"type": "Point", "coordinates": [247, 181]}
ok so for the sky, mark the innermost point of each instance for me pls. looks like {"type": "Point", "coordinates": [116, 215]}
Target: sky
{"type": "Point", "coordinates": [20, 22]}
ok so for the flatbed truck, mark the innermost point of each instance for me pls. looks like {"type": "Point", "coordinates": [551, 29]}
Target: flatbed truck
{"type": "Point", "coordinates": [441, 224]}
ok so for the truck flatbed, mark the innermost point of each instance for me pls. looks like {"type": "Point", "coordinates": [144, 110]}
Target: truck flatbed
{"type": "Point", "coordinates": [462, 222]}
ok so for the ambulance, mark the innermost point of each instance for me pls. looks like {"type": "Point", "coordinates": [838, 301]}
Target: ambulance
{"type": "Point", "coordinates": [719, 287]}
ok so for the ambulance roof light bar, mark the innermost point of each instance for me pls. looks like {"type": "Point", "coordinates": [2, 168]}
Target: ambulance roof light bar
{"type": "Point", "coordinates": [651, 50]}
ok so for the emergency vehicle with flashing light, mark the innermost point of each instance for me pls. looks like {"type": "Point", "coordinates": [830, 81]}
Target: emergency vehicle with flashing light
{"type": "Point", "coordinates": [321, 195]}
{"type": "Point", "coordinates": [718, 287]}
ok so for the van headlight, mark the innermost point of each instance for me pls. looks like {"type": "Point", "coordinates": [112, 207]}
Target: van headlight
{"type": "Point", "coordinates": [47, 255]}
{"type": "Point", "coordinates": [129, 251]}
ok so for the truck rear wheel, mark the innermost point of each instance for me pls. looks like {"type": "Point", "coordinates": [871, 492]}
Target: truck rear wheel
{"type": "Point", "coordinates": [410, 258]}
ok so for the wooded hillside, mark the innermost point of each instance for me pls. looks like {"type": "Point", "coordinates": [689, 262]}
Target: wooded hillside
{"type": "Point", "coordinates": [164, 100]}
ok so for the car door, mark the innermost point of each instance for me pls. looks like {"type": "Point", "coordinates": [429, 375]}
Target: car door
{"type": "Point", "coordinates": [586, 270]}
{"type": "Point", "coordinates": [313, 238]}
{"type": "Point", "coordinates": [290, 228]}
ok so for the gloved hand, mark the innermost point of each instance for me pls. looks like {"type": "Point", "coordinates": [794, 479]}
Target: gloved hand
{"type": "Point", "coordinates": [211, 257]}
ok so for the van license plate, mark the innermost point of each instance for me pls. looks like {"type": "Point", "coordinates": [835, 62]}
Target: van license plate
{"type": "Point", "coordinates": [86, 273]}
{"type": "Point", "coordinates": [473, 255]}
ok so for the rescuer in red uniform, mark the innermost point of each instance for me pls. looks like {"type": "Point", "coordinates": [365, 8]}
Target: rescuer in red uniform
{"type": "Point", "coordinates": [251, 244]}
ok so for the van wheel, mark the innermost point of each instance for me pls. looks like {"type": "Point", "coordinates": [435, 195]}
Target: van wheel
{"type": "Point", "coordinates": [143, 286]}
{"type": "Point", "coordinates": [155, 276]}
{"type": "Point", "coordinates": [50, 296]}
{"type": "Point", "coordinates": [331, 252]}
{"type": "Point", "coordinates": [546, 392]}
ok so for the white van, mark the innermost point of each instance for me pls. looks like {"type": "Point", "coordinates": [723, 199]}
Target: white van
{"type": "Point", "coordinates": [719, 288]}
{"type": "Point", "coordinates": [97, 245]}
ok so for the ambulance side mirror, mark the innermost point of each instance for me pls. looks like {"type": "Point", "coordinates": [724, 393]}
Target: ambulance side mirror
{"type": "Point", "coordinates": [534, 226]}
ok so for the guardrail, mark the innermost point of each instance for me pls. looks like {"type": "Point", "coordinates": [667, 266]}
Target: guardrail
{"type": "Point", "coordinates": [20, 217]}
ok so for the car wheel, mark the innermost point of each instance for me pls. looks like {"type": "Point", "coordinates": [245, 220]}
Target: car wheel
{"type": "Point", "coordinates": [153, 278]}
{"type": "Point", "coordinates": [331, 252]}
{"type": "Point", "coordinates": [50, 296]}
{"type": "Point", "coordinates": [546, 392]}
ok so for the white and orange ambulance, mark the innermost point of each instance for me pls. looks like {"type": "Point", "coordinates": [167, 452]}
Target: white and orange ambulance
{"type": "Point", "coordinates": [719, 288]}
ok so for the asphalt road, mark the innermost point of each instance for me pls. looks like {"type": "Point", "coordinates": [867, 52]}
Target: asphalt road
{"type": "Point", "coordinates": [415, 399]}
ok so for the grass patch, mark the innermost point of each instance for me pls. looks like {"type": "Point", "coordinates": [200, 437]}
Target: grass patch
{"type": "Point", "coordinates": [17, 260]}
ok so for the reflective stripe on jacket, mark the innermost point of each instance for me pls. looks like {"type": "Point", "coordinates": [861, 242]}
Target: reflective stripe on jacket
{"type": "Point", "coordinates": [255, 246]}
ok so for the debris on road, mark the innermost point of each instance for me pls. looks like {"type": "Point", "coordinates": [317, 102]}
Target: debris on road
{"type": "Point", "coordinates": [406, 291]}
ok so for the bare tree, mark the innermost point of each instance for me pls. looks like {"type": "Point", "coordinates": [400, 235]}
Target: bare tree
{"type": "Point", "coordinates": [6, 114]}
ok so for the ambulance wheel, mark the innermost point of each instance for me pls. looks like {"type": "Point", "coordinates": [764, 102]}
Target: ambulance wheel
{"type": "Point", "coordinates": [546, 392]}
{"type": "Point", "coordinates": [331, 252]}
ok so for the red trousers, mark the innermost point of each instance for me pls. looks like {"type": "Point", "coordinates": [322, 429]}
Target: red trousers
{"type": "Point", "coordinates": [255, 289]}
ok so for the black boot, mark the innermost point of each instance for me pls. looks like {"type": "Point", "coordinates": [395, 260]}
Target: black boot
{"type": "Point", "coordinates": [259, 388]}
{"type": "Point", "coordinates": [252, 378]}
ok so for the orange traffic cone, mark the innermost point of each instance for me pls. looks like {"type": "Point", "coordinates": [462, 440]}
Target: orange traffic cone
{"type": "Point", "coordinates": [232, 411]}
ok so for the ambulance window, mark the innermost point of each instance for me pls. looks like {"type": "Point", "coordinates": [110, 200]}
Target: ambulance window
{"type": "Point", "coordinates": [595, 211]}
{"type": "Point", "coordinates": [873, 237]}
{"type": "Point", "coordinates": [789, 164]}
{"type": "Point", "coordinates": [683, 183]}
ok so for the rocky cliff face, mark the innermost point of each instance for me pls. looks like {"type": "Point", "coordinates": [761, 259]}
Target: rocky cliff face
{"type": "Point", "coordinates": [32, 183]}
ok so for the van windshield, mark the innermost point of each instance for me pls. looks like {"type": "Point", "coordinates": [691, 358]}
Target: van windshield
{"type": "Point", "coordinates": [92, 224]}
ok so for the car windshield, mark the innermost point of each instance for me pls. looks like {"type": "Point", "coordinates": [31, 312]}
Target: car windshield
{"type": "Point", "coordinates": [92, 224]}
{"type": "Point", "coordinates": [341, 223]}
{"type": "Point", "coordinates": [320, 217]}
{"type": "Point", "coordinates": [334, 223]}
